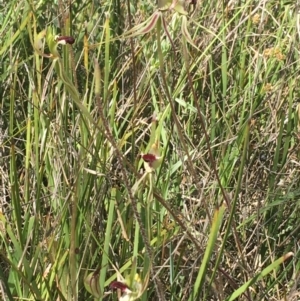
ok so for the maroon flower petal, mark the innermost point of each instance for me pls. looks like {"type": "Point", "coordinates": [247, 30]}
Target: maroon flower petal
{"type": "Point", "coordinates": [149, 158]}
{"type": "Point", "coordinates": [118, 285]}
{"type": "Point", "coordinates": [66, 39]}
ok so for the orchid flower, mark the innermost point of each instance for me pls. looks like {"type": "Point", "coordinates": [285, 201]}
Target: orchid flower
{"type": "Point", "coordinates": [157, 18]}
{"type": "Point", "coordinates": [129, 293]}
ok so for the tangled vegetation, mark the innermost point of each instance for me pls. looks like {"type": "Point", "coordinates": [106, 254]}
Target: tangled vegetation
{"type": "Point", "coordinates": [149, 151]}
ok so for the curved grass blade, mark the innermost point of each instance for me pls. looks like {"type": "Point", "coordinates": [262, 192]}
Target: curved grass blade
{"type": "Point", "coordinates": [259, 276]}
{"type": "Point", "coordinates": [216, 223]}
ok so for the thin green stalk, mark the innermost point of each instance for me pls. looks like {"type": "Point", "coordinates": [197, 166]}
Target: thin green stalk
{"type": "Point", "coordinates": [211, 245]}
{"type": "Point", "coordinates": [108, 233]}
{"type": "Point", "coordinates": [133, 80]}
{"type": "Point", "coordinates": [14, 181]}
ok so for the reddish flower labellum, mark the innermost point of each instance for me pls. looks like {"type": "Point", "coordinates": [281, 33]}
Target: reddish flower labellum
{"type": "Point", "coordinates": [149, 158]}
{"type": "Point", "coordinates": [119, 285]}
{"type": "Point", "coordinates": [65, 40]}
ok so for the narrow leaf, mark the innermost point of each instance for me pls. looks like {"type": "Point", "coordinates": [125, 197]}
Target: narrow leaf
{"type": "Point", "coordinates": [216, 223]}
{"type": "Point", "coordinates": [259, 276]}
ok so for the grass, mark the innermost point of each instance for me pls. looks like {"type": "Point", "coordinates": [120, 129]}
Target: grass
{"type": "Point", "coordinates": [157, 153]}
